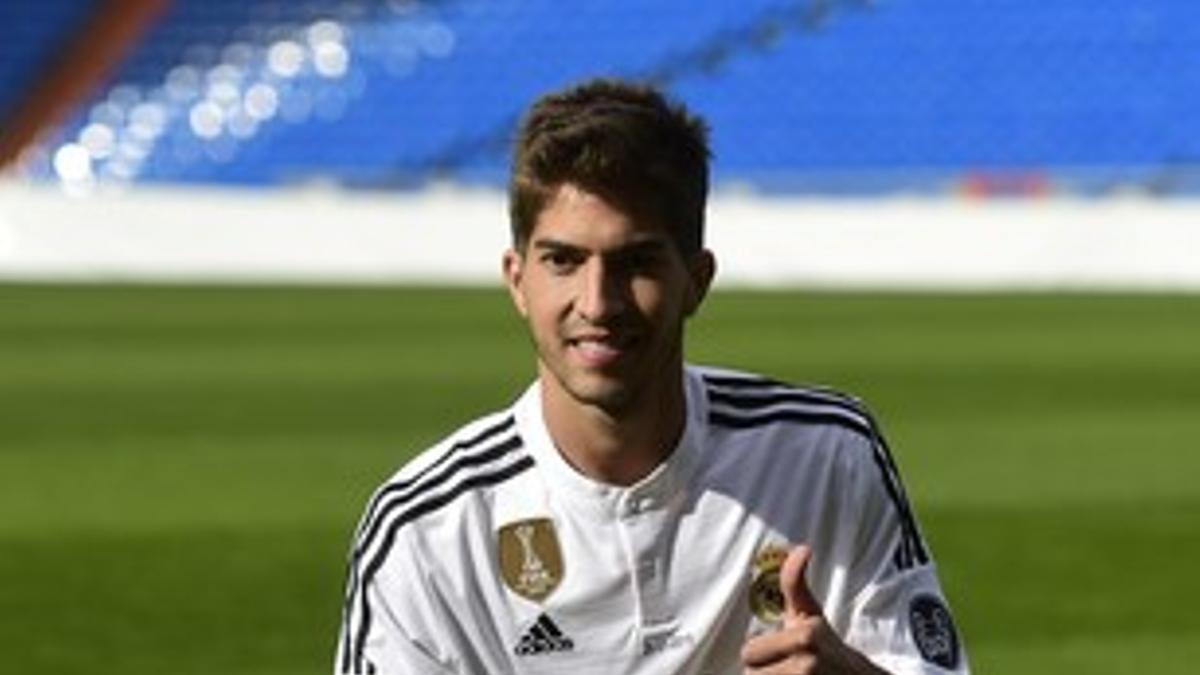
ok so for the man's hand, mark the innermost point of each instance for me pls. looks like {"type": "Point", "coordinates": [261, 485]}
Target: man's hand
{"type": "Point", "coordinates": [804, 644]}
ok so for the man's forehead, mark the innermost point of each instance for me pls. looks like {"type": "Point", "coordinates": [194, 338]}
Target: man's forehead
{"type": "Point", "coordinates": [577, 217]}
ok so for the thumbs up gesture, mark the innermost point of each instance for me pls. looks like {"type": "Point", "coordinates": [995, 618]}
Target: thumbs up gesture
{"type": "Point", "coordinates": [798, 600]}
{"type": "Point", "coordinates": [805, 644]}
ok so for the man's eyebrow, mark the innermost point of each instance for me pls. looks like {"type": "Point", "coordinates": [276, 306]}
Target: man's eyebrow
{"type": "Point", "coordinates": [555, 245]}
{"type": "Point", "coordinates": [645, 246]}
{"type": "Point", "coordinates": [648, 245]}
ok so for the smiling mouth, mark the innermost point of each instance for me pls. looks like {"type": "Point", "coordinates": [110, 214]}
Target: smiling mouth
{"type": "Point", "coordinates": [600, 351]}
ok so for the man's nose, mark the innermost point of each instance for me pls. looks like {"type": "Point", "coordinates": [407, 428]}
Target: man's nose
{"type": "Point", "coordinates": [603, 293]}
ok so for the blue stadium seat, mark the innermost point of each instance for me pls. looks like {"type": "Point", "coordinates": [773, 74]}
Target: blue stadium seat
{"type": "Point", "coordinates": [809, 95]}
{"type": "Point", "coordinates": [29, 40]}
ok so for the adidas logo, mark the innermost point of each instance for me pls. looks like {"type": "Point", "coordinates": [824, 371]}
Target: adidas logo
{"type": "Point", "coordinates": [543, 637]}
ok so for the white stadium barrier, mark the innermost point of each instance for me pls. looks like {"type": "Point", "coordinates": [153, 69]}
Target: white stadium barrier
{"type": "Point", "coordinates": [453, 235]}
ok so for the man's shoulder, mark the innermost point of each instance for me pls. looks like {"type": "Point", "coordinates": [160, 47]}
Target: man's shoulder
{"type": "Point", "coordinates": [747, 401]}
{"type": "Point", "coordinates": [488, 435]}
{"type": "Point", "coordinates": [480, 455]}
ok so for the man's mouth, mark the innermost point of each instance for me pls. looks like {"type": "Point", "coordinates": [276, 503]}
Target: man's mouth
{"type": "Point", "coordinates": [599, 350]}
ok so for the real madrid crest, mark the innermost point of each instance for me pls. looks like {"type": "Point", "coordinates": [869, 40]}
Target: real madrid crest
{"type": "Point", "coordinates": [766, 598]}
{"type": "Point", "coordinates": [531, 562]}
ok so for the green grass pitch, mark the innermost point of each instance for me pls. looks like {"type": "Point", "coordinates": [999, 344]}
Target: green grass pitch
{"type": "Point", "coordinates": [180, 468]}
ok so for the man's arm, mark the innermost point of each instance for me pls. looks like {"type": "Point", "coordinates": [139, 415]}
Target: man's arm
{"type": "Point", "coordinates": [383, 647]}
{"type": "Point", "coordinates": [891, 615]}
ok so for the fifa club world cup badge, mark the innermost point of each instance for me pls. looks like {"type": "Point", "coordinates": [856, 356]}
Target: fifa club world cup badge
{"type": "Point", "coordinates": [766, 598]}
{"type": "Point", "coordinates": [531, 562]}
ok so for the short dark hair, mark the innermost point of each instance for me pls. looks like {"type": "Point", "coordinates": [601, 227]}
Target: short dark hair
{"type": "Point", "coordinates": [623, 141]}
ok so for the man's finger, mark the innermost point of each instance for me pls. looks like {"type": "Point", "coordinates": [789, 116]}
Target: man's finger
{"type": "Point", "coordinates": [798, 599]}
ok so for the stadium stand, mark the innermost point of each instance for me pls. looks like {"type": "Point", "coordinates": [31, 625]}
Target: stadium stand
{"type": "Point", "coordinates": [830, 96]}
{"type": "Point", "coordinates": [32, 34]}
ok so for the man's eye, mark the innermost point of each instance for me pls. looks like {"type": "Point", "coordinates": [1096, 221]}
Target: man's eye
{"type": "Point", "coordinates": [559, 261]}
{"type": "Point", "coordinates": [642, 262]}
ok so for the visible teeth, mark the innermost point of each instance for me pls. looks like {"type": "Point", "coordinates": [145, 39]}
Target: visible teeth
{"type": "Point", "coordinates": [597, 345]}
{"type": "Point", "coordinates": [597, 348]}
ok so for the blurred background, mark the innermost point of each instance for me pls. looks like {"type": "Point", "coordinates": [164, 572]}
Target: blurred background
{"type": "Point", "coordinates": [249, 257]}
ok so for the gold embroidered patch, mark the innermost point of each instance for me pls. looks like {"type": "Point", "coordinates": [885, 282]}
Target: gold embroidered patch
{"type": "Point", "coordinates": [766, 598]}
{"type": "Point", "coordinates": [531, 562]}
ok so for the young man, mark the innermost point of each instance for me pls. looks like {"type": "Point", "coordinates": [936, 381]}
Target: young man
{"type": "Point", "coordinates": [630, 513]}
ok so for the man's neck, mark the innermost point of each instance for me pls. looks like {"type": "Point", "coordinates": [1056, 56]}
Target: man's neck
{"type": "Point", "coordinates": [618, 447]}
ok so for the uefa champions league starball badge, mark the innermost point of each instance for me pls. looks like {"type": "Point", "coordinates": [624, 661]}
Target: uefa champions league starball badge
{"type": "Point", "coordinates": [766, 598]}
{"type": "Point", "coordinates": [531, 561]}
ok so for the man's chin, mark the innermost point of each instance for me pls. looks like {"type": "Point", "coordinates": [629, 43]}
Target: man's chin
{"type": "Point", "coordinates": [608, 393]}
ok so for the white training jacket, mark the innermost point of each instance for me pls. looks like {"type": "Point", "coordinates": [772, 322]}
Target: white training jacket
{"type": "Point", "coordinates": [489, 554]}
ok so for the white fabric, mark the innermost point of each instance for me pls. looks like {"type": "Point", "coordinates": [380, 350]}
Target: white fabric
{"type": "Point", "coordinates": [656, 575]}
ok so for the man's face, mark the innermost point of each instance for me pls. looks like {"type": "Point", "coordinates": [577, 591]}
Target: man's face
{"type": "Point", "coordinates": [605, 295]}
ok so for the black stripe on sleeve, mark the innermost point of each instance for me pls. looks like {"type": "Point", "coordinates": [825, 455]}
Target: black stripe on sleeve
{"type": "Point", "coordinates": [746, 402]}
{"type": "Point", "coordinates": [398, 497]}
{"type": "Point", "coordinates": [466, 444]}
{"type": "Point", "coordinates": [394, 496]}
{"type": "Point", "coordinates": [752, 392]}
{"type": "Point", "coordinates": [725, 419]}
{"type": "Point", "coordinates": [353, 659]}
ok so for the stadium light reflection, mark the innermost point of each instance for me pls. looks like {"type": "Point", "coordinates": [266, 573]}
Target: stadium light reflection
{"type": "Point", "coordinates": [206, 118]}
{"type": "Point", "coordinates": [219, 94]}
{"type": "Point", "coordinates": [261, 101]}
{"type": "Point", "coordinates": [285, 58]}
{"type": "Point", "coordinates": [330, 59]}
{"type": "Point", "coordinates": [98, 139]}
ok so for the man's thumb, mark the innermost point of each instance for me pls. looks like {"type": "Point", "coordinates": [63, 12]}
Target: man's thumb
{"type": "Point", "coordinates": [798, 599]}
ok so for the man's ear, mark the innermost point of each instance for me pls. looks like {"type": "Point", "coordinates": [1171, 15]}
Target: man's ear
{"type": "Point", "coordinates": [701, 270]}
{"type": "Point", "coordinates": [512, 267]}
